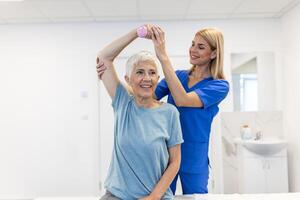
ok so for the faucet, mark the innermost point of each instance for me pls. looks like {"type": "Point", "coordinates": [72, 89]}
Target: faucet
{"type": "Point", "coordinates": [258, 135]}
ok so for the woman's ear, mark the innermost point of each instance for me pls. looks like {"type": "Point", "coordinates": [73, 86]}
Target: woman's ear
{"type": "Point", "coordinates": [213, 54]}
{"type": "Point", "coordinates": [127, 79]}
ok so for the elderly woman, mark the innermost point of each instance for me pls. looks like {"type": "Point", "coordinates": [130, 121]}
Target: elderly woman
{"type": "Point", "coordinates": [147, 134]}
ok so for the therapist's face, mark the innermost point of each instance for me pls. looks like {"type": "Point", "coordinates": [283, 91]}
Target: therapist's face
{"type": "Point", "coordinates": [143, 79]}
{"type": "Point", "coordinates": [200, 51]}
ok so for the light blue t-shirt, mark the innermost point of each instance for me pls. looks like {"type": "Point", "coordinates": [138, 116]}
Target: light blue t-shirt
{"type": "Point", "coordinates": [140, 154]}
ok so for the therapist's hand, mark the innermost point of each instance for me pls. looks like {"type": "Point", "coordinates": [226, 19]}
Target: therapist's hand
{"type": "Point", "coordinates": [149, 31]}
{"type": "Point", "coordinates": [100, 68]}
{"type": "Point", "coordinates": [158, 38]}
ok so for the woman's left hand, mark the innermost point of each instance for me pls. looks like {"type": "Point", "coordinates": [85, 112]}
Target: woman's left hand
{"type": "Point", "coordinates": [158, 38]}
{"type": "Point", "coordinates": [100, 67]}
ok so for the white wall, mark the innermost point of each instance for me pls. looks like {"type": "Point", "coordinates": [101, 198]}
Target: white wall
{"type": "Point", "coordinates": [49, 132]}
{"type": "Point", "coordinates": [266, 74]}
{"type": "Point", "coordinates": [291, 93]}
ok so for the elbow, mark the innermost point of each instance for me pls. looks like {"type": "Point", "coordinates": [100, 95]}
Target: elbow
{"type": "Point", "coordinates": [101, 56]}
{"type": "Point", "coordinates": [189, 101]}
{"type": "Point", "coordinates": [180, 102]}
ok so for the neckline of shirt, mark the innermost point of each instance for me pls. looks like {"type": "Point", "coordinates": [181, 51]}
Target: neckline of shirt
{"type": "Point", "coordinates": [148, 109]}
{"type": "Point", "coordinates": [195, 85]}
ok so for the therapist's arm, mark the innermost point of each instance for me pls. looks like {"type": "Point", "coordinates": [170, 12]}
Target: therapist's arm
{"type": "Point", "coordinates": [168, 176]}
{"type": "Point", "coordinates": [181, 97]}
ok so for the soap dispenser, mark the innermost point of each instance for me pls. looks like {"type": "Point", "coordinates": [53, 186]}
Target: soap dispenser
{"type": "Point", "coordinates": [246, 133]}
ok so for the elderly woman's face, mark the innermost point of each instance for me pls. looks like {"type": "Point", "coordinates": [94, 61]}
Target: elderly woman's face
{"type": "Point", "coordinates": [143, 79]}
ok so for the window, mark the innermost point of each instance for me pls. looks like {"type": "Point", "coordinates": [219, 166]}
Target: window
{"type": "Point", "coordinates": [248, 92]}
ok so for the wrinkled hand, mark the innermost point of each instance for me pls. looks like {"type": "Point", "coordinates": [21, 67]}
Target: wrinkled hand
{"type": "Point", "coordinates": [100, 68]}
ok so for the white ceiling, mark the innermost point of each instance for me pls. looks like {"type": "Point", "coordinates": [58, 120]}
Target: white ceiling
{"type": "Point", "coordinates": [45, 11]}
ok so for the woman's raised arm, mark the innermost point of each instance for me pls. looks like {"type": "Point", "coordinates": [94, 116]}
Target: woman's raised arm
{"type": "Point", "coordinates": [106, 57]}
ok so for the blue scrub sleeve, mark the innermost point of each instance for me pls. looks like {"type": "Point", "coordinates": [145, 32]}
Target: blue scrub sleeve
{"type": "Point", "coordinates": [161, 89]}
{"type": "Point", "coordinates": [213, 93]}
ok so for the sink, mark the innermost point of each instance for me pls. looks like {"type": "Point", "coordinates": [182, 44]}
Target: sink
{"type": "Point", "coordinates": [266, 146]}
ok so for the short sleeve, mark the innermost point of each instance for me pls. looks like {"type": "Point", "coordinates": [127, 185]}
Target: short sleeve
{"type": "Point", "coordinates": [121, 97]}
{"type": "Point", "coordinates": [161, 89]}
{"type": "Point", "coordinates": [213, 92]}
{"type": "Point", "coordinates": [176, 132]}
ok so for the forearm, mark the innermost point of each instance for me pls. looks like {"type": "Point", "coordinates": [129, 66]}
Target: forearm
{"type": "Point", "coordinates": [111, 51]}
{"type": "Point", "coordinates": [166, 180]}
{"type": "Point", "coordinates": [106, 57]}
{"type": "Point", "coordinates": [178, 92]}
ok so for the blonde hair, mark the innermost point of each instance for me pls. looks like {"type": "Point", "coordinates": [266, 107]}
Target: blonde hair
{"type": "Point", "coordinates": [214, 38]}
{"type": "Point", "coordinates": [141, 56]}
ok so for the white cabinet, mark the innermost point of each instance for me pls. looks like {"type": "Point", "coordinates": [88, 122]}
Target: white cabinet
{"type": "Point", "coordinates": [262, 173]}
{"type": "Point", "coordinates": [276, 174]}
{"type": "Point", "coordinates": [251, 176]}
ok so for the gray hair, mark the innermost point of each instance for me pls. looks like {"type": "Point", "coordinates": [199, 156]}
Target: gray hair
{"type": "Point", "coordinates": [140, 57]}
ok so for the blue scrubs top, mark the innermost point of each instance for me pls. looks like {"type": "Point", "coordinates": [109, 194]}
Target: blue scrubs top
{"type": "Point", "coordinates": [195, 121]}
